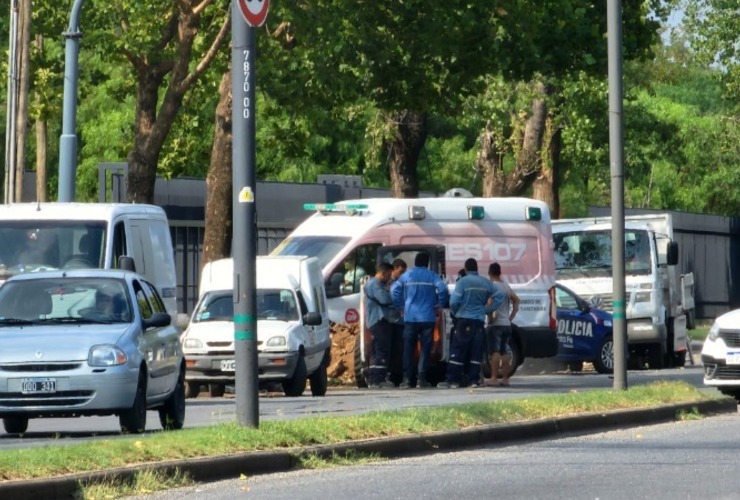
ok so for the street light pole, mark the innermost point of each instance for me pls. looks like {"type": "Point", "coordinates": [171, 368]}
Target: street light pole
{"type": "Point", "coordinates": [68, 139]}
{"type": "Point", "coordinates": [616, 158]}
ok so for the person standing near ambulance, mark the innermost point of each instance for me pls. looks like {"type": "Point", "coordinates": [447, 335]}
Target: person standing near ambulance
{"type": "Point", "coordinates": [473, 298]}
{"type": "Point", "coordinates": [380, 314]}
{"type": "Point", "coordinates": [420, 293]}
{"type": "Point", "coordinates": [498, 333]}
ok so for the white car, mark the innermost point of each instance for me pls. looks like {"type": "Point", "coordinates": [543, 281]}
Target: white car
{"type": "Point", "coordinates": [88, 342]}
{"type": "Point", "coordinates": [721, 354]}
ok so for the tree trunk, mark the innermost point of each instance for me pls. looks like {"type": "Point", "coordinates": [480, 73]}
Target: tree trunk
{"type": "Point", "coordinates": [219, 204]}
{"type": "Point", "coordinates": [169, 79]}
{"type": "Point", "coordinates": [410, 133]}
{"type": "Point", "coordinates": [526, 150]}
{"type": "Point", "coordinates": [42, 189]}
{"type": "Point", "coordinates": [547, 185]}
{"type": "Point", "coordinates": [24, 65]}
{"type": "Point", "coordinates": [42, 176]}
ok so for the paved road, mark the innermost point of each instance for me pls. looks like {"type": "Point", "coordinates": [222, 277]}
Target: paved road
{"type": "Point", "coordinates": [342, 401]}
{"type": "Point", "coordinates": [680, 460]}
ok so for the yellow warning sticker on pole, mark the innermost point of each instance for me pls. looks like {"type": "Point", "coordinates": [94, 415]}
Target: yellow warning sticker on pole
{"type": "Point", "coordinates": [246, 195]}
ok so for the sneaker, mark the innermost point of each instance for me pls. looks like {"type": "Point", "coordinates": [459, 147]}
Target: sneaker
{"type": "Point", "coordinates": [474, 386]}
{"type": "Point", "coordinates": [447, 385]}
{"type": "Point", "coordinates": [405, 385]}
{"type": "Point", "coordinates": [386, 384]}
{"type": "Point", "coordinates": [423, 384]}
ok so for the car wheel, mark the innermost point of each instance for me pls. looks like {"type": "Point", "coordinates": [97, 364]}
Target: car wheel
{"type": "Point", "coordinates": [679, 359]}
{"type": "Point", "coordinates": [15, 425]}
{"type": "Point", "coordinates": [133, 420]}
{"type": "Point", "coordinates": [319, 380]}
{"type": "Point", "coordinates": [296, 384]}
{"type": "Point", "coordinates": [360, 379]}
{"type": "Point", "coordinates": [192, 389]}
{"type": "Point", "coordinates": [515, 355]}
{"type": "Point", "coordinates": [604, 362]}
{"type": "Point", "coordinates": [216, 390]}
{"type": "Point", "coordinates": [732, 392]}
{"type": "Point", "coordinates": [172, 414]}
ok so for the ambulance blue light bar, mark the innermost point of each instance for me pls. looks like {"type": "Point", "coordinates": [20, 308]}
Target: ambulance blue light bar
{"type": "Point", "coordinates": [335, 207]}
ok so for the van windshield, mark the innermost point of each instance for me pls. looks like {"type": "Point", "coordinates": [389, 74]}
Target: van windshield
{"type": "Point", "coordinates": [41, 245]}
{"type": "Point", "coordinates": [274, 304]}
{"type": "Point", "coordinates": [325, 248]}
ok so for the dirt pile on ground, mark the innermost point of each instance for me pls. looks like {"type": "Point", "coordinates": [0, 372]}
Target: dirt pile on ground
{"type": "Point", "coordinates": [342, 367]}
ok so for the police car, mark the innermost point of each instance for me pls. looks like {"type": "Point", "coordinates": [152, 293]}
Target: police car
{"type": "Point", "coordinates": [584, 332]}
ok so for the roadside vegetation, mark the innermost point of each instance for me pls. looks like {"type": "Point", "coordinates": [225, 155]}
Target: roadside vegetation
{"type": "Point", "coordinates": [231, 438]}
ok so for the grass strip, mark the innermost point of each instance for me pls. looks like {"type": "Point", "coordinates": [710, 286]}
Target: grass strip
{"type": "Point", "coordinates": [231, 438]}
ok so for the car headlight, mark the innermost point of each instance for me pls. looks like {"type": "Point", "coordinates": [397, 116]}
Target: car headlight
{"type": "Point", "coordinates": [106, 355]}
{"type": "Point", "coordinates": [192, 344]}
{"type": "Point", "coordinates": [713, 332]}
{"type": "Point", "coordinates": [277, 341]}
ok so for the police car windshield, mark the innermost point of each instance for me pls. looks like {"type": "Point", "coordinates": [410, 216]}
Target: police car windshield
{"type": "Point", "coordinates": [325, 248]}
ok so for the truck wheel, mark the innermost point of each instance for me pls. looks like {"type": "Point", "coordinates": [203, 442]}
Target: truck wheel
{"type": "Point", "coordinates": [296, 384]}
{"type": "Point", "coordinates": [679, 359]}
{"type": "Point", "coordinates": [655, 358]}
{"type": "Point", "coordinates": [319, 380]}
{"type": "Point", "coordinates": [216, 390]}
{"type": "Point", "coordinates": [360, 379]}
{"type": "Point", "coordinates": [15, 425]}
{"type": "Point", "coordinates": [604, 362]}
{"type": "Point", "coordinates": [192, 389]}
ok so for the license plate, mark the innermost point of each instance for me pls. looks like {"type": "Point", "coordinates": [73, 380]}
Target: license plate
{"type": "Point", "coordinates": [228, 365]}
{"type": "Point", "coordinates": [38, 385]}
{"type": "Point", "coordinates": [733, 358]}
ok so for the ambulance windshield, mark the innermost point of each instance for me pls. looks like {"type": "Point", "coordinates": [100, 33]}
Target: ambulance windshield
{"type": "Point", "coordinates": [325, 248]}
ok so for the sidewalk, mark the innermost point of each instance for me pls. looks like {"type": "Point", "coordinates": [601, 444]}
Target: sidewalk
{"type": "Point", "coordinates": [264, 462]}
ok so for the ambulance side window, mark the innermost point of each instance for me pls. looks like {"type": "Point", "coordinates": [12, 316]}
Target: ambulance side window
{"type": "Point", "coordinates": [348, 276]}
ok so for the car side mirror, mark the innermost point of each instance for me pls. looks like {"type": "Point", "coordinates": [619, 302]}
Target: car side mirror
{"type": "Point", "coordinates": [158, 320]}
{"type": "Point", "coordinates": [126, 263]}
{"type": "Point", "coordinates": [312, 319]}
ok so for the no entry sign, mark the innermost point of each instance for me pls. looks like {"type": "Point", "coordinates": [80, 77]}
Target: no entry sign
{"type": "Point", "coordinates": [254, 11]}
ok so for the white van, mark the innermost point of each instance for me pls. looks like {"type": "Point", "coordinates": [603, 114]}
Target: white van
{"type": "Point", "coordinates": [350, 237]}
{"type": "Point", "coordinates": [292, 327]}
{"type": "Point", "coordinates": [50, 236]}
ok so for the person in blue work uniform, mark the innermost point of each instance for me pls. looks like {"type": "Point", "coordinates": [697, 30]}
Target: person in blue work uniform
{"type": "Point", "coordinates": [380, 314]}
{"type": "Point", "coordinates": [469, 303]}
{"type": "Point", "coordinates": [420, 293]}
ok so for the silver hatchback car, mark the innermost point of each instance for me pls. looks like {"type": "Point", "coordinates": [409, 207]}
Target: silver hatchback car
{"type": "Point", "coordinates": [88, 342]}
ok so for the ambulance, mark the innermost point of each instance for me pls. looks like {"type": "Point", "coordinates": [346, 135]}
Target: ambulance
{"type": "Point", "coordinates": [351, 237]}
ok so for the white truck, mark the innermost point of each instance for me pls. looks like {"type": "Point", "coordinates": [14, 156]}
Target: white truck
{"type": "Point", "coordinates": [659, 299]}
{"type": "Point", "coordinates": [292, 327]}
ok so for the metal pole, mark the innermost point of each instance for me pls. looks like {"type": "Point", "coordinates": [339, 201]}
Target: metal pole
{"type": "Point", "coordinates": [616, 158]}
{"type": "Point", "coordinates": [68, 139]}
{"type": "Point", "coordinates": [10, 140]}
{"type": "Point", "coordinates": [244, 243]}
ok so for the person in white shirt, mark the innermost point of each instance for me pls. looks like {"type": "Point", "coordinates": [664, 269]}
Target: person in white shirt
{"type": "Point", "coordinates": [498, 332]}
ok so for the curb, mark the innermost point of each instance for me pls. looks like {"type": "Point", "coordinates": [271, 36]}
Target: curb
{"type": "Point", "coordinates": [263, 462]}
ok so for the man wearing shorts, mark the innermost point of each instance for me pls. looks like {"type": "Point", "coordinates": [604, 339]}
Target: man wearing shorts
{"type": "Point", "coordinates": [498, 332]}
